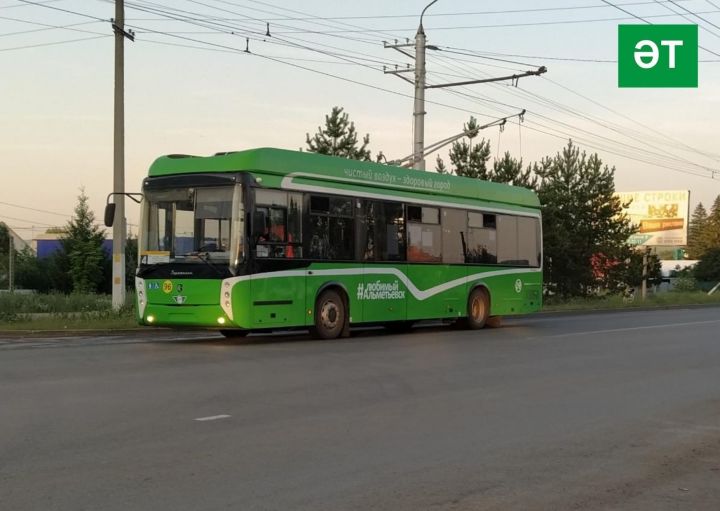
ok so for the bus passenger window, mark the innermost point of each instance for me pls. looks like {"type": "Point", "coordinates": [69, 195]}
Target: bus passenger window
{"type": "Point", "coordinates": [331, 228]}
{"type": "Point", "coordinates": [424, 235]}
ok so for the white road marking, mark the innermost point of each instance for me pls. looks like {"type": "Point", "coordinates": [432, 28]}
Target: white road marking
{"type": "Point", "coordinates": [627, 329]}
{"type": "Point", "coordinates": [212, 418]}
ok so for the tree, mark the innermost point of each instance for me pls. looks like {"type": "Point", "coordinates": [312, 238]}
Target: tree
{"type": "Point", "coordinates": [696, 245]}
{"type": "Point", "coordinates": [468, 160]}
{"type": "Point", "coordinates": [82, 246]}
{"type": "Point", "coordinates": [581, 218]}
{"type": "Point", "coordinates": [32, 273]}
{"type": "Point", "coordinates": [4, 254]}
{"type": "Point", "coordinates": [711, 236]}
{"type": "Point", "coordinates": [708, 268]}
{"type": "Point", "coordinates": [627, 270]}
{"type": "Point", "coordinates": [131, 260]}
{"type": "Point", "coordinates": [338, 138]}
{"type": "Point", "coordinates": [509, 170]}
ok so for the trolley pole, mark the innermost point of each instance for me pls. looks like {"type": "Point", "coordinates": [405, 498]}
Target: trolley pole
{"type": "Point", "coordinates": [119, 233]}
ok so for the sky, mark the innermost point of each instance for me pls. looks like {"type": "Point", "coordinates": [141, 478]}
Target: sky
{"type": "Point", "coordinates": [191, 88]}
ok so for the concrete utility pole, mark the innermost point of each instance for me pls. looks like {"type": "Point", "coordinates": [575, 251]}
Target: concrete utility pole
{"type": "Point", "coordinates": [419, 108]}
{"type": "Point", "coordinates": [420, 45]}
{"type": "Point", "coordinates": [119, 234]}
{"type": "Point", "coordinates": [11, 264]}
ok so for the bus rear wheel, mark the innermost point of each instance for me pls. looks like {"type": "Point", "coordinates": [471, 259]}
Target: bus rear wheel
{"type": "Point", "coordinates": [478, 309]}
{"type": "Point", "coordinates": [330, 315]}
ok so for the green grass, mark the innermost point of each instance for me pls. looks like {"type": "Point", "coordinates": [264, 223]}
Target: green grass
{"type": "Point", "coordinates": [53, 303]}
{"type": "Point", "coordinates": [616, 302]}
{"type": "Point", "coordinates": [59, 323]}
{"type": "Point", "coordinates": [64, 312]}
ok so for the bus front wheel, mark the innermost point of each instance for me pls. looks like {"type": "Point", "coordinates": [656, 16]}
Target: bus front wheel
{"type": "Point", "coordinates": [330, 315]}
{"type": "Point", "coordinates": [478, 308]}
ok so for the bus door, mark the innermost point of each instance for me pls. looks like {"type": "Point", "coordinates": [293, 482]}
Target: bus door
{"type": "Point", "coordinates": [382, 239]}
{"type": "Point", "coordinates": [276, 237]}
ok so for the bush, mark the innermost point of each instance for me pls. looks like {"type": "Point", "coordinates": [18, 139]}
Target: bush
{"type": "Point", "coordinates": [684, 283]}
{"type": "Point", "coordinates": [708, 268]}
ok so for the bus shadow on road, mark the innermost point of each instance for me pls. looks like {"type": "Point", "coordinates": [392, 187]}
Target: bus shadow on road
{"type": "Point", "coordinates": [374, 333]}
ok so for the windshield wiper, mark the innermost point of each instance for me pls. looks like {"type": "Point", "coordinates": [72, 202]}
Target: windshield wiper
{"type": "Point", "coordinates": [205, 257]}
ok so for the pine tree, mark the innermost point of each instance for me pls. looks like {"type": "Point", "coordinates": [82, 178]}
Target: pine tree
{"type": "Point", "coordinates": [696, 245]}
{"type": "Point", "coordinates": [582, 218]}
{"type": "Point", "coordinates": [82, 245]}
{"type": "Point", "coordinates": [708, 268]}
{"type": "Point", "coordinates": [338, 138]}
{"type": "Point", "coordinates": [509, 170]}
{"type": "Point", "coordinates": [468, 160]}
{"type": "Point", "coordinates": [711, 236]}
{"type": "Point", "coordinates": [4, 254]}
{"type": "Point", "coordinates": [440, 167]}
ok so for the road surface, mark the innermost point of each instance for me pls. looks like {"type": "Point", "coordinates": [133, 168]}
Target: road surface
{"type": "Point", "coordinates": [611, 411]}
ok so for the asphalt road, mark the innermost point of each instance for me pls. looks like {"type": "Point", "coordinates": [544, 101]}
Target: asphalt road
{"type": "Point", "coordinates": [612, 411]}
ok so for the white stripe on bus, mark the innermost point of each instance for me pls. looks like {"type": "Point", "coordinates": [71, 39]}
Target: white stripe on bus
{"type": "Point", "coordinates": [287, 183]}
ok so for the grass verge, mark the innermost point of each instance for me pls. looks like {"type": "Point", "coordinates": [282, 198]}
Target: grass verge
{"type": "Point", "coordinates": [659, 300]}
{"type": "Point", "coordinates": [71, 322]}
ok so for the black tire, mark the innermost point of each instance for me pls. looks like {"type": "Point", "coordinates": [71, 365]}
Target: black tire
{"type": "Point", "coordinates": [330, 315]}
{"type": "Point", "coordinates": [230, 334]}
{"type": "Point", "coordinates": [478, 308]}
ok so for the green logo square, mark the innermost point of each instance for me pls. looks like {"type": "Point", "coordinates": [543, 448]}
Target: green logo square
{"type": "Point", "coordinates": [657, 56]}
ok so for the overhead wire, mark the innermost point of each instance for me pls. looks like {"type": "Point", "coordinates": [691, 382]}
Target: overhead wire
{"type": "Point", "coordinates": [55, 43]}
{"type": "Point", "coordinates": [614, 141]}
{"type": "Point", "coordinates": [231, 29]}
{"type": "Point", "coordinates": [46, 27]}
{"type": "Point", "coordinates": [692, 13]}
{"type": "Point", "coordinates": [618, 126]}
{"type": "Point", "coordinates": [295, 65]}
{"type": "Point", "coordinates": [515, 24]}
{"type": "Point", "coordinates": [668, 157]}
{"type": "Point", "coordinates": [646, 21]}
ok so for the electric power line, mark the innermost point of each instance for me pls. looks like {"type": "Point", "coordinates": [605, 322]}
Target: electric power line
{"type": "Point", "coordinates": [38, 45]}
{"type": "Point", "coordinates": [646, 21]}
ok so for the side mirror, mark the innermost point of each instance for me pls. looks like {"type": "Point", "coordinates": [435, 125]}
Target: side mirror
{"type": "Point", "coordinates": [259, 222]}
{"type": "Point", "coordinates": [109, 214]}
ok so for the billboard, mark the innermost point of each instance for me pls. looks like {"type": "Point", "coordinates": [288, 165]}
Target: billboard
{"type": "Point", "coordinates": [662, 216]}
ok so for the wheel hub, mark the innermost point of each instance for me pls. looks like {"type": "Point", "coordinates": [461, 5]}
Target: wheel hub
{"type": "Point", "coordinates": [329, 315]}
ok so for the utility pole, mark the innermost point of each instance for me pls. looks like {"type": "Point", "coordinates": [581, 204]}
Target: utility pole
{"type": "Point", "coordinates": [646, 260]}
{"type": "Point", "coordinates": [420, 45]}
{"type": "Point", "coordinates": [419, 108]}
{"type": "Point", "coordinates": [11, 264]}
{"type": "Point", "coordinates": [119, 235]}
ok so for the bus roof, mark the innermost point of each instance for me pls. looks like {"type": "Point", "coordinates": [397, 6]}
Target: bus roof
{"type": "Point", "coordinates": [295, 164]}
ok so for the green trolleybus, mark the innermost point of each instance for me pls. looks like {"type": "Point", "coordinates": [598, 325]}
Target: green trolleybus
{"type": "Point", "coordinates": [269, 239]}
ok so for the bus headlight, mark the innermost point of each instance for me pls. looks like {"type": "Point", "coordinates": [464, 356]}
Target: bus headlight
{"type": "Point", "coordinates": [150, 318]}
{"type": "Point", "coordinates": [221, 321]}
